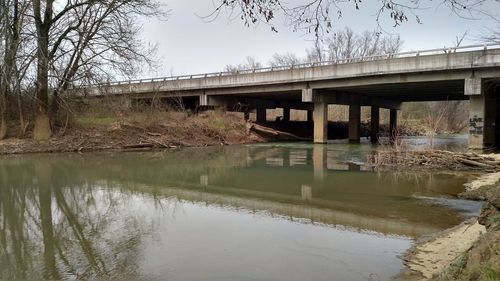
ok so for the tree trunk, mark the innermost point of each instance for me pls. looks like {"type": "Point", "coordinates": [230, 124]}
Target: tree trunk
{"type": "Point", "coordinates": [3, 109]}
{"type": "Point", "coordinates": [22, 122]}
{"type": "Point", "coordinates": [3, 126]}
{"type": "Point", "coordinates": [42, 130]}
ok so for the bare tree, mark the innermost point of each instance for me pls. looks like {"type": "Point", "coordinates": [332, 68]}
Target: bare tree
{"type": "Point", "coordinates": [317, 16]}
{"type": "Point", "coordinates": [346, 44]}
{"type": "Point", "coordinates": [493, 36]}
{"type": "Point", "coordinates": [11, 21]}
{"type": "Point", "coordinates": [81, 40]}
{"type": "Point", "coordinates": [4, 33]}
{"type": "Point", "coordinates": [250, 63]}
{"type": "Point", "coordinates": [288, 59]}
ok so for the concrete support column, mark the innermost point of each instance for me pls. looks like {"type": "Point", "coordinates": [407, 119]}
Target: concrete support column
{"type": "Point", "coordinates": [203, 100]}
{"type": "Point", "coordinates": [286, 114]}
{"type": "Point", "coordinates": [478, 133]}
{"type": "Point", "coordinates": [127, 103]}
{"type": "Point", "coordinates": [477, 108]}
{"type": "Point", "coordinates": [320, 116]}
{"type": "Point", "coordinates": [374, 123]}
{"type": "Point", "coordinates": [261, 115]}
{"type": "Point", "coordinates": [354, 122]}
{"type": "Point", "coordinates": [393, 125]}
{"type": "Point", "coordinates": [310, 116]}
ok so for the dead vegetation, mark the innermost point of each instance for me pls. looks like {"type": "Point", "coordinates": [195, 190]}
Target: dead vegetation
{"type": "Point", "coordinates": [139, 131]}
{"type": "Point", "coordinates": [432, 159]}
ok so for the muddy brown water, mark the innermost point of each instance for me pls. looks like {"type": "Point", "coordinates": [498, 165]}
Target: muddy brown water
{"type": "Point", "coordinates": [250, 212]}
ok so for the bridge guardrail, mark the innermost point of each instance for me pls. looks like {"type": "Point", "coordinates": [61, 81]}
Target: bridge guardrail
{"type": "Point", "coordinates": [306, 65]}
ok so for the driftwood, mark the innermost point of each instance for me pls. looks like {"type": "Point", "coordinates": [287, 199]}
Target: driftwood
{"type": "Point", "coordinates": [268, 132]}
{"type": "Point", "coordinates": [138, 145]}
{"type": "Point", "coordinates": [474, 163]}
{"type": "Point", "coordinates": [433, 159]}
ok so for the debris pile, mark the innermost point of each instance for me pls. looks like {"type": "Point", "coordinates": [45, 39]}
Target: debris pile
{"type": "Point", "coordinates": [434, 159]}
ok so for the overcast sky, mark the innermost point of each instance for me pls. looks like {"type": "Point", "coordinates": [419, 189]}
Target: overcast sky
{"type": "Point", "coordinates": [188, 44]}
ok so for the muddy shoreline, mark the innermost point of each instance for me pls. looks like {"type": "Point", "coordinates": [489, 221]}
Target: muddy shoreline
{"type": "Point", "coordinates": [466, 251]}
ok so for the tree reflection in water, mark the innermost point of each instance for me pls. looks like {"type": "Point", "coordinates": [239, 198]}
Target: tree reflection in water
{"type": "Point", "coordinates": [54, 231]}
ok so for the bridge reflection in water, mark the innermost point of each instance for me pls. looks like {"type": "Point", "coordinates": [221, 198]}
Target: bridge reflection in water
{"type": "Point", "coordinates": [99, 216]}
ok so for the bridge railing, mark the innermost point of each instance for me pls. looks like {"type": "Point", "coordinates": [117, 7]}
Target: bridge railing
{"type": "Point", "coordinates": [309, 64]}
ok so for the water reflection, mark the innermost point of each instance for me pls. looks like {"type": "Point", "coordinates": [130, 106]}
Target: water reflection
{"type": "Point", "coordinates": [136, 216]}
{"type": "Point", "coordinates": [56, 225]}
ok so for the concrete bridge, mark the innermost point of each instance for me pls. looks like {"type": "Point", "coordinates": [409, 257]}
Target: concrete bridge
{"type": "Point", "coordinates": [465, 73]}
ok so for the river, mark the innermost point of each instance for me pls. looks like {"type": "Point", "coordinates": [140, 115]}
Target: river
{"type": "Point", "coordinates": [248, 212]}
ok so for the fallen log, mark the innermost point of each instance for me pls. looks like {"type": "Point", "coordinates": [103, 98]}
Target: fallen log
{"type": "Point", "coordinates": [274, 133]}
{"type": "Point", "coordinates": [138, 145]}
{"type": "Point", "coordinates": [473, 163]}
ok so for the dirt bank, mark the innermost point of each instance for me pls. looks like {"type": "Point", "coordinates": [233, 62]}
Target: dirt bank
{"type": "Point", "coordinates": [469, 251]}
{"type": "Point", "coordinates": [139, 131]}
{"type": "Point", "coordinates": [435, 255]}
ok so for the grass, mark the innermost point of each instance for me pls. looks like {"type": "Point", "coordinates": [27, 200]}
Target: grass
{"type": "Point", "coordinates": [87, 120]}
{"type": "Point", "coordinates": [495, 222]}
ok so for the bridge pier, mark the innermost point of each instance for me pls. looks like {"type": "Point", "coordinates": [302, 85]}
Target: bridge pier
{"type": "Point", "coordinates": [261, 115]}
{"type": "Point", "coordinates": [354, 120]}
{"type": "Point", "coordinates": [127, 103]}
{"type": "Point", "coordinates": [286, 114]}
{"type": "Point", "coordinates": [393, 125]}
{"type": "Point", "coordinates": [320, 116]}
{"type": "Point", "coordinates": [482, 113]}
{"type": "Point", "coordinates": [310, 116]}
{"type": "Point", "coordinates": [374, 123]}
{"type": "Point", "coordinates": [476, 121]}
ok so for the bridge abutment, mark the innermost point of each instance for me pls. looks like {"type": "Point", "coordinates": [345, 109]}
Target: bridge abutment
{"type": "Point", "coordinates": [483, 104]}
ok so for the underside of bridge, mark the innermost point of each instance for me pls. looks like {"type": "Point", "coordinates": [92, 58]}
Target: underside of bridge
{"type": "Point", "coordinates": [483, 94]}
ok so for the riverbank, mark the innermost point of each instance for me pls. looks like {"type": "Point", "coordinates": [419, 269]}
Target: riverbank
{"type": "Point", "coordinates": [469, 251]}
{"type": "Point", "coordinates": [155, 130]}
{"type": "Point", "coordinates": [138, 132]}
